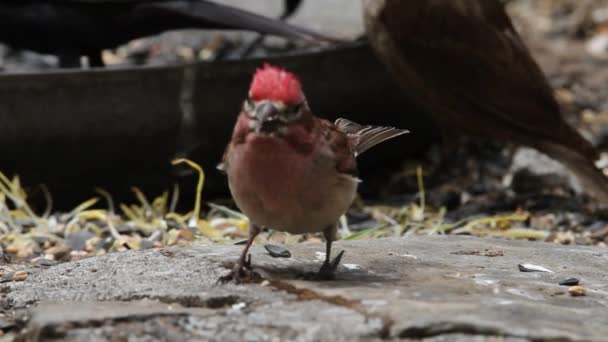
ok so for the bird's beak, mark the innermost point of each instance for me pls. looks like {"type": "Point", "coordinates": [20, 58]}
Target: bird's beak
{"type": "Point", "coordinates": [267, 114]}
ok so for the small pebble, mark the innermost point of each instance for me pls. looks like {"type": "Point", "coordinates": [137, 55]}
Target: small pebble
{"type": "Point", "coordinates": [277, 251]}
{"type": "Point", "coordinates": [156, 236]}
{"type": "Point", "coordinates": [569, 282]}
{"type": "Point", "coordinates": [77, 241]}
{"type": "Point", "coordinates": [59, 252]}
{"type": "Point", "coordinates": [147, 244]}
{"type": "Point", "coordinates": [577, 291]}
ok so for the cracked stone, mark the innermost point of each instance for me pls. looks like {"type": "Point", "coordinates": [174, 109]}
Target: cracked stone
{"type": "Point", "coordinates": [407, 288]}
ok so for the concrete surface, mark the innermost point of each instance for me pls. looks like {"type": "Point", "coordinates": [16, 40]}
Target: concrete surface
{"type": "Point", "coordinates": [442, 288]}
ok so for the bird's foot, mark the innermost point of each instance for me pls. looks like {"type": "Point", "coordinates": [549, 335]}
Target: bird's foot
{"type": "Point", "coordinates": [328, 270]}
{"type": "Point", "coordinates": [241, 273]}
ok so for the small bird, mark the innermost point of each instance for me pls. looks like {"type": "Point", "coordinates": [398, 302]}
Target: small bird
{"type": "Point", "coordinates": [74, 28]}
{"type": "Point", "coordinates": [289, 170]}
{"type": "Point", "coordinates": [464, 63]}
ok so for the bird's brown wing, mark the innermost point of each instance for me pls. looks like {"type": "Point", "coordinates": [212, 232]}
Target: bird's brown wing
{"type": "Point", "coordinates": [464, 60]}
{"type": "Point", "coordinates": [364, 137]}
{"type": "Point", "coordinates": [340, 146]}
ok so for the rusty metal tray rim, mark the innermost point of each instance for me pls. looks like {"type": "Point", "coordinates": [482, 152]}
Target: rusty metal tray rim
{"type": "Point", "coordinates": [221, 65]}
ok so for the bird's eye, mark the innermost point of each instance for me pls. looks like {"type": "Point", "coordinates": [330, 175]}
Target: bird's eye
{"type": "Point", "coordinates": [293, 113]}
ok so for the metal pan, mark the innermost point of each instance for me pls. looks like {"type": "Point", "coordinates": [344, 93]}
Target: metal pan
{"type": "Point", "coordinates": [74, 129]}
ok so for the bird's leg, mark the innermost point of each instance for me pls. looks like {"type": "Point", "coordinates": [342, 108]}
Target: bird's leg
{"type": "Point", "coordinates": [329, 266]}
{"type": "Point", "coordinates": [242, 268]}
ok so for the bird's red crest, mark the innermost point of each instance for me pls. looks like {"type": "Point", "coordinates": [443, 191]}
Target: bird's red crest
{"type": "Point", "coordinates": [276, 84]}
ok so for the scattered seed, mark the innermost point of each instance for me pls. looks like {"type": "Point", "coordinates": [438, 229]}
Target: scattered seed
{"type": "Point", "coordinates": [492, 254]}
{"type": "Point", "coordinates": [20, 276]}
{"type": "Point", "coordinates": [352, 266]}
{"type": "Point", "coordinates": [43, 262]}
{"type": "Point", "coordinates": [474, 252]}
{"type": "Point", "coordinates": [569, 282]}
{"type": "Point", "coordinates": [186, 234]}
{"type": "Point", "coordinates": [487, 253]}
{"type": "Point", "coordinates": [239, 306]}
{"type": "Point", "coordinates": [166, 253]}
{"type": "Point", "coordinates": [577, 291]}
{"type": "Point", "coordinates": [533, 268]}
{"type": "Point", "coordinates": [409, 256]}
{"type": "Point", "coordinates": [277, 251]}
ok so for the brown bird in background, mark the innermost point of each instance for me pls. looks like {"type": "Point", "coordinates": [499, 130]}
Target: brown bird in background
{"type": "Point", "coordinates": [463, 62]}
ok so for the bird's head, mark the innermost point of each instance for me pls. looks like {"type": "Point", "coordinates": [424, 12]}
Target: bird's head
{"type": "Point", "coordinates": [275, 101]}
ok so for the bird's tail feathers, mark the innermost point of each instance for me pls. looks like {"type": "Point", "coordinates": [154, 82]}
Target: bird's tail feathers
{"type": "Point", "coordinates": [593, 180]}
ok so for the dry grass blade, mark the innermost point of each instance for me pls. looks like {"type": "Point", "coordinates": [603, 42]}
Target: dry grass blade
{"type": "Point", "coordinates": [13, 191]}
{"type": "Point", "coordinates": [49, 201]}
{"type": "Point", "coordinates": [174, 198]}
{"type": "Point", "coordinates": [145, 204]}
{"type": "Point", "coordinates": [365, 233]}
{"type": "Point", "coordinates": [82, 207]}
{"type": "Point", "coordinates": [227, 211]}
{"type": "Point", "coordinates": [199, 186]}
{"type": "Point", "coordinates": [493, 221]}
{"type": "Point", "coordinates": [126, 210]}
{"type": "Point", "coordinates": [108, 199]}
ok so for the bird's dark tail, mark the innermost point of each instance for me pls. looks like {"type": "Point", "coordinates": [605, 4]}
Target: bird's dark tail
{"type": "Point", "coordinates": [592, 179]}
{"type": "Point", "coordinates": [234, 18]}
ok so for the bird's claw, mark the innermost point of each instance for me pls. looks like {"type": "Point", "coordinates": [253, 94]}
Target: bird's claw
{"type": "Point", "coordinates": [247, 264]}
{"type": "Point", "coordinates": [241, 273]}
{"type": "Point", "coordinates": [327, 271]}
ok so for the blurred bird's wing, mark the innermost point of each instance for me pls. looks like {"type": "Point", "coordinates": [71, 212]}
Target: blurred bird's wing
{"type": "Point", "coordinates": [289, 8]}
{"type": "Point", "coordinates": [365, 137]}
{"type": "Point", "coordinates": [104, 1]}
{"type": "Point", "coordinates": [224, 16]}
{"type": "Point", "coordinates": [464, 59]}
